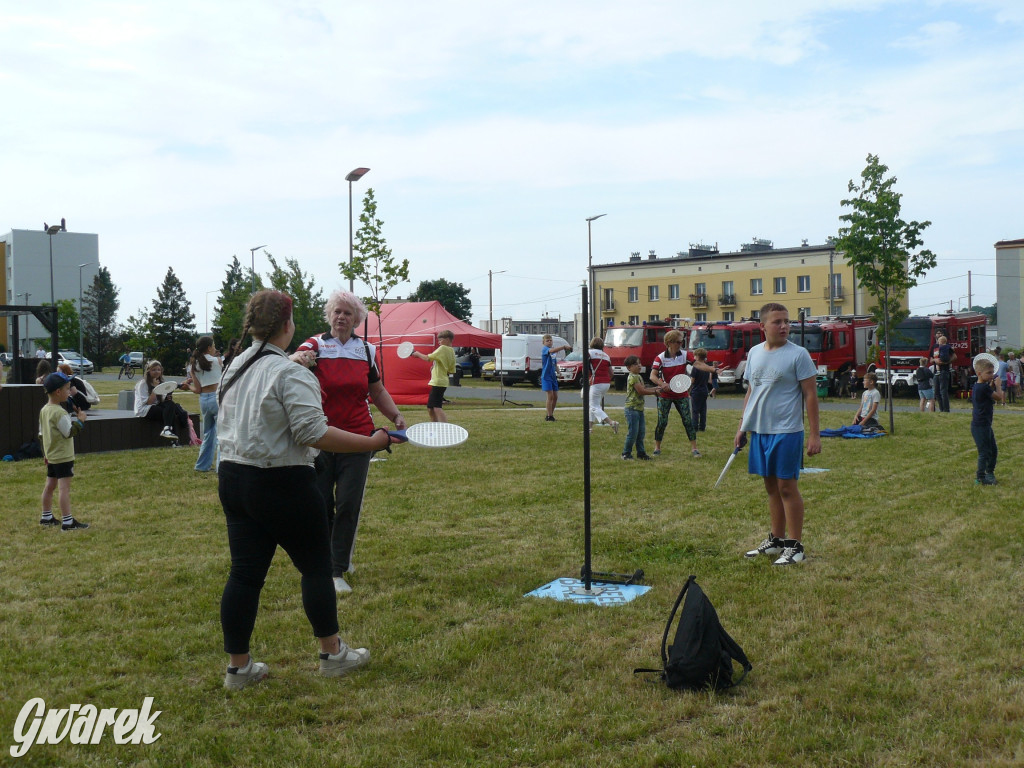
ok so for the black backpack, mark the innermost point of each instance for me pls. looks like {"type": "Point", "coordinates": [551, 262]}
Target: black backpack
{"type": "Point", "coordinates": [702, 653]}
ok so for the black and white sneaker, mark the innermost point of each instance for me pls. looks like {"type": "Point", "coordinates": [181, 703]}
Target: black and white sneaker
{"type": "Point", "coordinates": [74, 525]}
{"type": "Point", "coordinates": [770, 546]}
{"type": "Point", "coordinates": [49, 523]}
{"type": "Point", "coordinates": [627, 456]}
{"type": "Point", "coordinates": [793, 553]}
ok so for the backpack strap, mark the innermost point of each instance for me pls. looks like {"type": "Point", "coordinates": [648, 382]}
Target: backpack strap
{"type": "Point", "coordinates": [734, 650]}
{"type": "Point", "coordinates": [226, 385]}
{"type": "Point", "coordinates": [668, 629]}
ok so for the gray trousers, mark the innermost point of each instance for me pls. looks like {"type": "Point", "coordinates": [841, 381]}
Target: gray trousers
{"type": "Point", "coordinates": [341, 480]}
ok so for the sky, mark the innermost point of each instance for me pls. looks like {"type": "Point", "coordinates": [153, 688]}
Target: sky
{"type": "Point", "coordinates": [184, 134]}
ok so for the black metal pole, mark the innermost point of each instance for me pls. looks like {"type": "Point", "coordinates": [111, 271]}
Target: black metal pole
{"type": "Point", "coordinates": [585, 374]}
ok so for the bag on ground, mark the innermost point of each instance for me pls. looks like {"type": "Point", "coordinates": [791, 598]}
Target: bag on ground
{"type": "Point", "coordinates": [702, 653]}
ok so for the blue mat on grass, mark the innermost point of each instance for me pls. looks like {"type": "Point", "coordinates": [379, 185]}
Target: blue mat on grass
{"type": "Point", "coordinates": [613, 594]}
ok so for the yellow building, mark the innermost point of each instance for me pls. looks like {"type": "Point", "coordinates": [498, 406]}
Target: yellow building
{"type": "Point", "coordinates": [705, 284]}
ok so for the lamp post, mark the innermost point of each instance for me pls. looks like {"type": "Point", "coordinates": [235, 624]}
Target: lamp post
{"type": "Point", "coordinates": [52, 230]}
{"type": "Point", "coordinates": [490, 297]}
{"type": "Point", "coordinates": [81, 350]}
{"type": "Point", "coordinates": [590, 275]}
{"type": "Point", "coordinates": [252, 266]}
{"type": "Point", "coordinates": [354, 175]}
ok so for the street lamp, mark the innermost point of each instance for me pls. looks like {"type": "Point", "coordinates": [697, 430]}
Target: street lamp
{"type": "Point", "coordinates": [52, 230]}
{"type": "Point", "coordinates": [252, 266]}
{"type": "Point", "coordinates": [590, 274]}
{"type": "Point", "coordinates": [354, 175]}
{"type": "Point", "coordinates": [490, 297]}
{"type": "Point", "coordinates": [81, 349]}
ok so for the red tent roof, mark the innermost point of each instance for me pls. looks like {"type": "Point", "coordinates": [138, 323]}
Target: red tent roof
{"type": "Point", "coordinates": [419, 322]}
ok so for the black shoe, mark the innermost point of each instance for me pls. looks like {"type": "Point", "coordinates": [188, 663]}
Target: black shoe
{"type": "Point", "coordinates": [74, 525]}
{"type": "Point", "coordinates": [627, 456]}
{"type": "Point", "coordinates": [549, 418]}
{"type": "Point", "coordinates": [644, 457]}
{"type": "Point", "coordinates": [49, 523]}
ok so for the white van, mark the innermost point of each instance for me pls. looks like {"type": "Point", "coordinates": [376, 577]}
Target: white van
{"type": "Point", "coordinates": [519, 358]}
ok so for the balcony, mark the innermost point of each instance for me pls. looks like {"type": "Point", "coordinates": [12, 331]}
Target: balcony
{"type": "Point", "coordinates": [698, 299]}
{"type": "Point", "coordinates": [727, 300]}
{"type": "Point", "coordinates": [608, 306]}
{"type": "Point", "coordinates": [837, 295]}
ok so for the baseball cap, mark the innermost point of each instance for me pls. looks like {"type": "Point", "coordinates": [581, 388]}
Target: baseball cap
{"type": "Point", "coordinates": [55, 381]}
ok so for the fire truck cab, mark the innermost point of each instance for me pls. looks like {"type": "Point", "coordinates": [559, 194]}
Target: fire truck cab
{"type": "Point", "coordinates": [836, 343]}
{"type": "Point", "coordinates": [727, 344]}
{"type": "Point", "coordinates": [645, 341]}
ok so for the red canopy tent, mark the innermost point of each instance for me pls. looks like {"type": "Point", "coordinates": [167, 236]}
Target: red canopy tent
{"type": "Point", "coordinates": [419, 322]}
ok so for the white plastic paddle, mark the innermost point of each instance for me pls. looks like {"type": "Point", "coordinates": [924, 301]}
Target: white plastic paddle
{"type": "Point", "coordinates": [432, 434]}
{"type": "Point", "coordinates": [405, 349]}
{"type": "Point", "coordinates": [680, 383]}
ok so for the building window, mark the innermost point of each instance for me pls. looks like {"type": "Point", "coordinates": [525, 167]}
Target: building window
{"type": "Point", "coordinates": [756, 286]}
{"type": "Point", "coordinates": [728, 316]}
{"type": "Point", "coordinates": [780, 285]}
{"type": "Point", "coordinates": [674, 319]}
{"type": "Point", "coordinates": [803, 284]}
{"type": "Point", "coordinates": [608, 305]}
{"type": "Point", "coordinates": [634, 320]}
{"type": "Point", "coordinates": [673, 291]}
{"type": "Point", "coordinates": [807, 312]}
{"type": "Point", "coordinates": [653, 318]}
{"type": "Point", "coordinates": [702, 317]}
{"type": "Point", "coordinates": [755, 315]}
{"type": "Point", "coordinates": [700, 288]}
{"type": "Point", "coordinates": [837, 286]}
{"type": "Point", "coordinates": [634, 294]}
{"type": "Point", "coordinates": [652, 293]}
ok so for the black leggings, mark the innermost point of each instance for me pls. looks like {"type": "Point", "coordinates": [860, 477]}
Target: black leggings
{"type": "Point", "coordinates": [169, 413]}
{"type": "Point", "coordinates": [266, 508]}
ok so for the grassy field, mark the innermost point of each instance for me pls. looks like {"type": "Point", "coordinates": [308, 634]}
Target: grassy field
{"type": "Point", "coordinates": [897, 643]}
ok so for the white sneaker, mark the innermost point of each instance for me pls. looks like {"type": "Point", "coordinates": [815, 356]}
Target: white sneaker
{"type": "Point", "coordinates": [341, 586]}
{"type": "Point", "coordinates": [166, 432]}
{"type": "Point", "coordinates": [344, 661]}
{"type": "Point", "coordinates": [615, 427]}
{"type": "Point", "coordinates": [250, 674]}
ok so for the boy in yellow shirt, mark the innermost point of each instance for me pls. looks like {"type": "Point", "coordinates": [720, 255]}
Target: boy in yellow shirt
{"type": "Point", "coordinates": [443, 359]}
{"type": "Point", "coordinates": [58, 429]}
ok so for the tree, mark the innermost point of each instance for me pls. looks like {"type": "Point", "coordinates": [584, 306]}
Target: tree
{"type": "Point", "coordinates": [374, 264]}
{"type": "Point", "coordinates": [67, 324]}
{"type": "Point", "coordinates": [229, 314]}
{"type": "Point", "coordinates": [173, 324]}
{"type": "Point", "coordinates": [136, 334]}
{"type": "Point", "coordinates": [453, 296]}
{"type": "Point", "coordinates": [882, 248]}
{"type": "Point", "coordinates": [99, 309]}
{"type": "Point", "coordinates": [308, 303]}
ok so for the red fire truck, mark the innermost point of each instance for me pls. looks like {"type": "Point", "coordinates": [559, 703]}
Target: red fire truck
{"type": "Point", "coordinates": [836, 344]}
{"type": "Point", "coordinates": [915, 337]}
{"type": "Point", "coordinates": [646, 341]}
{"type": "Point", "coordinates": [727, 344]}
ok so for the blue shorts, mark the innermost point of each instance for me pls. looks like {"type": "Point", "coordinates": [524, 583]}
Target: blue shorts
{"type": "Point", "coordinates": [776, 455]}
{"type": "Point", "coordinates": [926, 394]}
{"type": "Point", "coordinates": [549, 385]}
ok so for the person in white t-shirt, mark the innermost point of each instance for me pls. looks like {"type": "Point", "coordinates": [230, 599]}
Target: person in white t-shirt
{"type": "Point", "coordinates": [204, 376]}
{"type": "Point", "coordinates": [869, 402]}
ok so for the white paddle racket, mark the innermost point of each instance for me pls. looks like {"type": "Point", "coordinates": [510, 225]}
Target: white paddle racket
{"type": "Point", "coordinates": [986, 356]}
{"type": "Point", "coordinates": [680, 383]}
{"type": "Point", "coordinates": [432, 434]}
{"type": "Point", "coordinates": [165, 388]}
{"type": "Point", "coordinates": [405, 349]}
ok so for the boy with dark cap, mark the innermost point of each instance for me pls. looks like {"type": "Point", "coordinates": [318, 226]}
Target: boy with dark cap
{"type": "Point", "coordinates": [58, 429]}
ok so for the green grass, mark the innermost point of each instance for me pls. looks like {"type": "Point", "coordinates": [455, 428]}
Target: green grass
{"type": "Point", "coordinates": [896, 643]}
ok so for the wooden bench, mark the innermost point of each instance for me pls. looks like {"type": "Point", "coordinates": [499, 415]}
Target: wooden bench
{"type": "Point", "coordinates": [105, 430]}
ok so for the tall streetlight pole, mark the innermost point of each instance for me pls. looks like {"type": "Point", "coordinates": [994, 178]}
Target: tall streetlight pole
{"type": "Point", "coordinates": [490, 297]}
{"type": "Point", "coordinates": [252, 266]}
{"type": "Point", "coordinates": [590, 274]}
{"type": "Point", "coordinates": [81, 350]}
{"type": "Point", "coordinates": [354, 175]}
{"type": "Point", "coordinates": [52, 230]}
{"type": "Point", "coordinates": [24, 346]}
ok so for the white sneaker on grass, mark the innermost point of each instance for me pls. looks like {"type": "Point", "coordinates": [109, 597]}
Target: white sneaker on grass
{"type": "Point", "coordinates": [341, 586]}
{"type": "Point", "coordinates": [237, 678]}
{"type": "Point", "coordinates": [792, 553]}
{"type": "Point", "coordinates": [772, 545]}
{"type": "Point", "coordinates": [344, 661]}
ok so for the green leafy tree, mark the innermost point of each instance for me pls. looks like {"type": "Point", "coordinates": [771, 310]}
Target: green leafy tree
{"type": "Point", "coordinates": [884, 250]}
{"type": "Point", "coordinates": [173, 324]}
{"type": "Point", "coordinates": [137, 334]}
{"type": "Point", "coordinates": [100, 303]}
{"type": "Point", "coordinates": [308, 302]}
{"type": "Point", "coordinates": [374, 264]}
{"type": "Point", "coordinates": [453, 296]}
{"type": "Point", "coordinates": [229, 314]}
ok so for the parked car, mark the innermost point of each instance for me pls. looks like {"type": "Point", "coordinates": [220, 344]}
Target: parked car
{"type": "Point", "coordinates": [78, 363]}
{"type": "Point", "coordinates": [462, 359]}
{"type": "Point", "coordinates": [6, 358]}
{"type": "Point", "coordinates": [136, 358]}
{"type": "Point", "coordinates": [570, 370]}
{"type": "Point", "coordinates": [487, 370]}
{"type": "Point", "coordinates": [520, 357]}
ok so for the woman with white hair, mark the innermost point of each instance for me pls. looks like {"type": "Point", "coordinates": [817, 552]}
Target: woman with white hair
{"type": "Point", "coordinates": [346, 367]}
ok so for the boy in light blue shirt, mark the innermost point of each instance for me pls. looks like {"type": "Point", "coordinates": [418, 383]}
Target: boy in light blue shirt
{"type": "Point", "coordinates": [781, 379]}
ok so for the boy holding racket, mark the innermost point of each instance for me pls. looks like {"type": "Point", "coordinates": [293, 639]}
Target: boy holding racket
{"type": "Point", "coordinates": [443, 364]}
{"type": "Point", "coordinates": [781, 378]}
